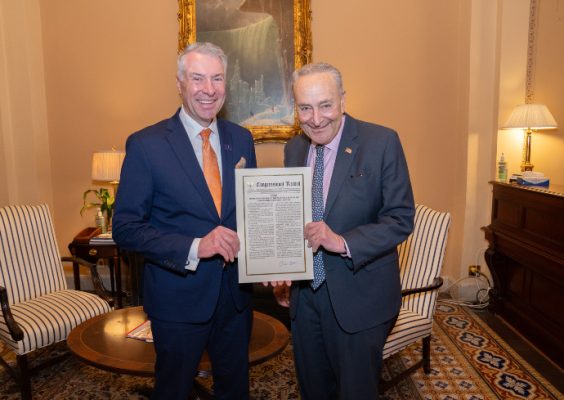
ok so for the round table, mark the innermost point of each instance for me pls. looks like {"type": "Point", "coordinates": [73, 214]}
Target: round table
{"type": "Point", "coordinates": [101, 342]}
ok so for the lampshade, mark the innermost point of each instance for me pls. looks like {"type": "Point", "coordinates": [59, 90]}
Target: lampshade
{"type": "Point", "coordinates": [106, 165]}
{"type": "Point", "coordinates": [530, 116]}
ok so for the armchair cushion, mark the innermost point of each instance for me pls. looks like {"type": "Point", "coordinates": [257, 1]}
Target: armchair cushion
{"type": "Point", "coordinates": [409, 328]}
{"type": "Point", "coordinates": [50, 318]}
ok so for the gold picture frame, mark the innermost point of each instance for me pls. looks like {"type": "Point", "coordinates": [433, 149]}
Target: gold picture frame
{"type": "Point", "coordinates": [264, 106]}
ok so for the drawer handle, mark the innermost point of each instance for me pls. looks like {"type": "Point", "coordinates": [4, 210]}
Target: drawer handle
{"type": "Point", "coordinates": [92, 252]}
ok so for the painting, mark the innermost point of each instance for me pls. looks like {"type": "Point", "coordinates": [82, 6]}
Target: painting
{"type": "Point", "coordinates": [265, 40]}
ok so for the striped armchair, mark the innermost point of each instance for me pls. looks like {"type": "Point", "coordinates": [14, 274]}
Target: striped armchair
{"type": "Point", "coordinates": [37, 308]}
{"type": "Point", "coordinates": [421, 260]}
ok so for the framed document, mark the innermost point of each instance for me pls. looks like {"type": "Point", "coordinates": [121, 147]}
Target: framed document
{"type": "Point", "coordinates": [273, 206]}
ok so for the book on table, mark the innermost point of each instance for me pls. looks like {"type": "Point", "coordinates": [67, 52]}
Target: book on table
{"type": "Point", "coordinates": [141, 332]}
{"type": "Point", "coordinates": [102, 238]}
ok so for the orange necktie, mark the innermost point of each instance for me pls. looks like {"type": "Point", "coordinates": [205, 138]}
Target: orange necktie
{"type": "Point", "coordinates": [211, 169]}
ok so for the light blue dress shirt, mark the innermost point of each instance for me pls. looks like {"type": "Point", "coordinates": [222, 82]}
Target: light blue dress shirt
{"type": "Point", "coordinates": [193, 130]}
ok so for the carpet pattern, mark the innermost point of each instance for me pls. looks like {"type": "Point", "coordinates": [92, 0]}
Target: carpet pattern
{"type": "Point", "coordinates": [468, 361]}
{"type": "Point", "coordinates": [485, 354]}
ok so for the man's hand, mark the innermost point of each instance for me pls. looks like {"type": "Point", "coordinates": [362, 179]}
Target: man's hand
{"type": "Point", "coordinates": [222, 241]}
{"type": "Point", "coordinates": [318, 234]}
{"type": "Point", "coordinates": [281, 291]}
{"type": "Point", "coordinates": [282, 294]}
{"type": "Point", "coordinates": [277, 283]}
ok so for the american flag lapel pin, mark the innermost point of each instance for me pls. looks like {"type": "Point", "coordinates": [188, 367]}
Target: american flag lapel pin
{"type": "Point", "coordinates": [348, 150]}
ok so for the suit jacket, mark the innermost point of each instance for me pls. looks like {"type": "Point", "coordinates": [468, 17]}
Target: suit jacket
{"type": "Point", "coordinates": [163, 203]}
{"type": "Point", "coordinates": [370, 203]}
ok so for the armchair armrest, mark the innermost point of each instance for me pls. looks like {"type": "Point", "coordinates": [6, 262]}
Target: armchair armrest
{"type": "Point", "coordinates": [437, 283]}
{"type": "Point", "coordinates": [96, 280]}
{"type": "Point", "coordinates": [15, 330]}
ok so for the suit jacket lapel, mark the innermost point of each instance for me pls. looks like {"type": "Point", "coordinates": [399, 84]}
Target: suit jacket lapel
{"type": "Point", "coordinates": [346, 154]}
{"type": "Point", "coordinates": [182, 147]}
{"type": "Point", "coordinates": [299, 159]}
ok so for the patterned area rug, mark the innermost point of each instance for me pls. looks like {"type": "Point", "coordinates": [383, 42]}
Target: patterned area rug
{"type": "Point", "coordinates": [468, 362]}
{"type": "Point", "coordinates": [477, 362]}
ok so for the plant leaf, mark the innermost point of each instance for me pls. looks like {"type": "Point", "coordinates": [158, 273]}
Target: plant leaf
{"type": "Point", "coordinates": [88, 205]}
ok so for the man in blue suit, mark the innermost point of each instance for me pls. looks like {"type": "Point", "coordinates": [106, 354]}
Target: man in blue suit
{"type": "Point", "coordinates": [176, 207]}
{"type": "Point", "coordinates": [341, 319]}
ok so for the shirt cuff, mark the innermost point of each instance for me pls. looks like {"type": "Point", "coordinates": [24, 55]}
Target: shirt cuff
{"type": "Point", "coordinates": [193, 260]}
{"type": "Point", "coordinates": [347, 252]}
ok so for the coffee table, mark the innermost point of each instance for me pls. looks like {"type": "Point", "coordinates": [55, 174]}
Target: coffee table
{"type": "Point", "coordinates": [101, 342]}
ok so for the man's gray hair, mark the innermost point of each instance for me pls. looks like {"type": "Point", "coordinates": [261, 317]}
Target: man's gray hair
{"type": "Point", "coordinates": [319, 67]}
{"type": "Point", "coordinates": [206, 48]}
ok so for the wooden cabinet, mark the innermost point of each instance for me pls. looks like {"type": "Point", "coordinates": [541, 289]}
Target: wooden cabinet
{"type": "Point", "coordinates": [526, 259]}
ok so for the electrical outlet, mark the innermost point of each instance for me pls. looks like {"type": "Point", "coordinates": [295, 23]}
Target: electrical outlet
{"type": "Point", "coordinates": [473, 270]}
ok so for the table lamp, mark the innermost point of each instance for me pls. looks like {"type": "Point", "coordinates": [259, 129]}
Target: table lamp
{"type": "Point", "coordinates": [106, 166]}
{"type": "Point", "coordinates": [530, 117]}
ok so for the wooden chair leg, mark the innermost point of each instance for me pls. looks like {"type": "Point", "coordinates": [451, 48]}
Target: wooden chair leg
{"type": "Point", "coordinates": [425, 362]}
{"type": "Point", "coordinates": [427, 355]}
{"type": "Point", "coordinates": [24, 377]}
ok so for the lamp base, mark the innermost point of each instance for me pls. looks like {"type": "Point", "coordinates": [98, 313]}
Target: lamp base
{"type": "Point", "coordinates": [526, 160]}
{"type": "Point", "coordinates": [526, 166]}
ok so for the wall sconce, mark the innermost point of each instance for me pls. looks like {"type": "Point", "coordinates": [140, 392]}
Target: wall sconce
{"type": "Point", "coordinates": [106, 166]}
{"type": "Point", "coordinates": [530, 117]}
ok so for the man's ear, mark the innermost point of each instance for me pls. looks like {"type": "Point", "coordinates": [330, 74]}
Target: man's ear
{"type": "Point", "coordinates": [178, 86]}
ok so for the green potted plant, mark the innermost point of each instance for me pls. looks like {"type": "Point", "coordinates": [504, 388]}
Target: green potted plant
{"type": "Point", "coordinates": [103, 199]}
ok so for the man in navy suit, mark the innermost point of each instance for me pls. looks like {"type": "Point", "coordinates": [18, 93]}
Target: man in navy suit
{"type": "Point", "coordinates": [341, 319]}
{"type": "Point", "coordinates": [166, 212]}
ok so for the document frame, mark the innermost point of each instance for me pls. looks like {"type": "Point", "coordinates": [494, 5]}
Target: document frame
{"type": "Point", "coordinates": [273, 207]}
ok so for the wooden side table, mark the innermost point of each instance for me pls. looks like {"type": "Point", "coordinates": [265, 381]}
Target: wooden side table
{"type": "Point", "coordinates": [81, 247]}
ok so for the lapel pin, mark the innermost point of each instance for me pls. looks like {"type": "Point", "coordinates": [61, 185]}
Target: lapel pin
{"type": "Point", "coordinates": [348, 150]}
